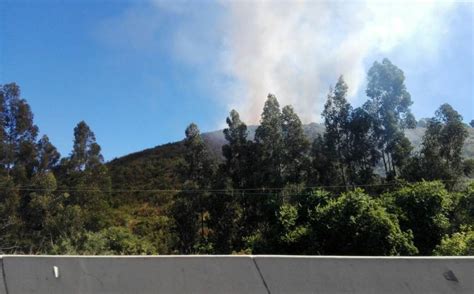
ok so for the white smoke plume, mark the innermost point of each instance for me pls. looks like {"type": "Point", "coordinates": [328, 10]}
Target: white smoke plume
{"type": "Point", "coordinates": [297, 49]}
{"type": "Point", "coordinates": [293, 49]}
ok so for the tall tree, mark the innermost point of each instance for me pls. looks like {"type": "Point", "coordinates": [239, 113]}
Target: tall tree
{"type": "Point", "coordinates": [296, 147]}
{"type": "Point", "coordinates": [363, 155]}
{"type": "Point", "coordinates": [323, 169]}
{"type": "Point", "coordinates": [269, 137]}
{"type": "Point", "coordinates": [198, 165]}
{"type": "Point", "coordinates": [441, 152]}
{"type": "Point", "coordinates": [48, 155]}
{"type": "Point", "coordinates": [389, 104]}
{"type": "Point", "coordinates": [86, 151]}
{"type": "Point", "coordinates": [336, 116]}
{"type": "Point", "coordinates": [226, 224]}
{"type": "Point", "coordinates": [189, 208]}
{"type": "Point", "coordinates": [18, 133]}
{"type": "Point", "coordinates": [86, 177]}
{"type": "Point", "coordinates": [236, 150]}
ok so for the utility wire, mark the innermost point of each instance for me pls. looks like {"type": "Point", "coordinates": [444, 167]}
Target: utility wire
{"type": "Point", "coordinates": [263, 191]}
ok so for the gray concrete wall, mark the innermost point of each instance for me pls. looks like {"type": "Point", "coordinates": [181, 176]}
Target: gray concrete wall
{"type": "Point", "coordinates": [236, 274]}
{"type": "Point", "coordinates": [3, 290]}
{"type": "Point", "coordinates": [367, 275]}
{"type": "Point", "coordinates": [193, 274]}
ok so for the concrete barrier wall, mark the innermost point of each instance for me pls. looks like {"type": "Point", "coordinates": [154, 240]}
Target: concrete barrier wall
{"type": "Point", "coordinates": [236, 274]}
{"type": "Point", "coordinates": [3, 290]}
{"type": "Point", "coordinates": [367, 275]}
{"type": "Point", "coordinates": [193, 274]}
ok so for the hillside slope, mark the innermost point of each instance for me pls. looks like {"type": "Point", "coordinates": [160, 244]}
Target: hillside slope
{"type": "Point", "coordinates": [158, 167]}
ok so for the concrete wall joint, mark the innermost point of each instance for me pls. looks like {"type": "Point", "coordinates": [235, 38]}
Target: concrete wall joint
{"type": "Point", "coordinates": [260, 274]}
{"type": "Point", "coordinates": [4, 278]}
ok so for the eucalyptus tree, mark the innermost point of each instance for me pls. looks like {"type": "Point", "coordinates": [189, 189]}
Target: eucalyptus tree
{"type": "Point", "coordinates": [389, 104]}
{"type": "Point", "coordinates": [86, 178]}
{"type": "Point", "coordinates": [323, 169]}
{"type": "Point", "coordinates": [363, 155]}
{"type": "Point", "coordinates": [18, 133]}
{"type": "Point", "coordinates": [269, 138]}
{"type": "Point", "coordinates": [441, 152]}
{"type": "Point", "coordinates": [236, 151]}
{"type": "Point", "coordinates": [189, 207]}
{"type": "Point", "coordinates": [336, 116]}
{"type": "Point", "coordinates": [48, 155]}
{"type": "Point", "coordinates": [86, 151]}
{"type": "Point", "coordinates": [296, 148]}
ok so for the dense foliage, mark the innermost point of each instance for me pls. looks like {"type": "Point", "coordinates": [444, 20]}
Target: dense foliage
{"type": "Point", "coordinates": [360, 188]}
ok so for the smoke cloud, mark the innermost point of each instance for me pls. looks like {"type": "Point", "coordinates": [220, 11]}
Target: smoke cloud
{"type": "Point", "coordinates": [297, 50]}
{"type": "Point", "coordinates": [243, 50]}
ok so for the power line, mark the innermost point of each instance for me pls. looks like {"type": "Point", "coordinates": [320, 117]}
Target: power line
{"type": "Point", "coordinates": [263, 191]}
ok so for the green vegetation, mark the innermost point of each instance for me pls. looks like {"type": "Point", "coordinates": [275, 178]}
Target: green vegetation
{"type": "Point", "coordinates": [461, 243]}
{"type": "Point", "coordinates": [358, 186]}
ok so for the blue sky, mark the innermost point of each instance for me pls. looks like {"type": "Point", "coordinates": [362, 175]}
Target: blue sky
{"type": "Point", "coordinates": [139, 72]}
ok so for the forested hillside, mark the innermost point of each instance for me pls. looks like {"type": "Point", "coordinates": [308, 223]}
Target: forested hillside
{"type": "Point", "coordinates": [173, 152]}
{"type": "Point", "coordinates": [364, 182]}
